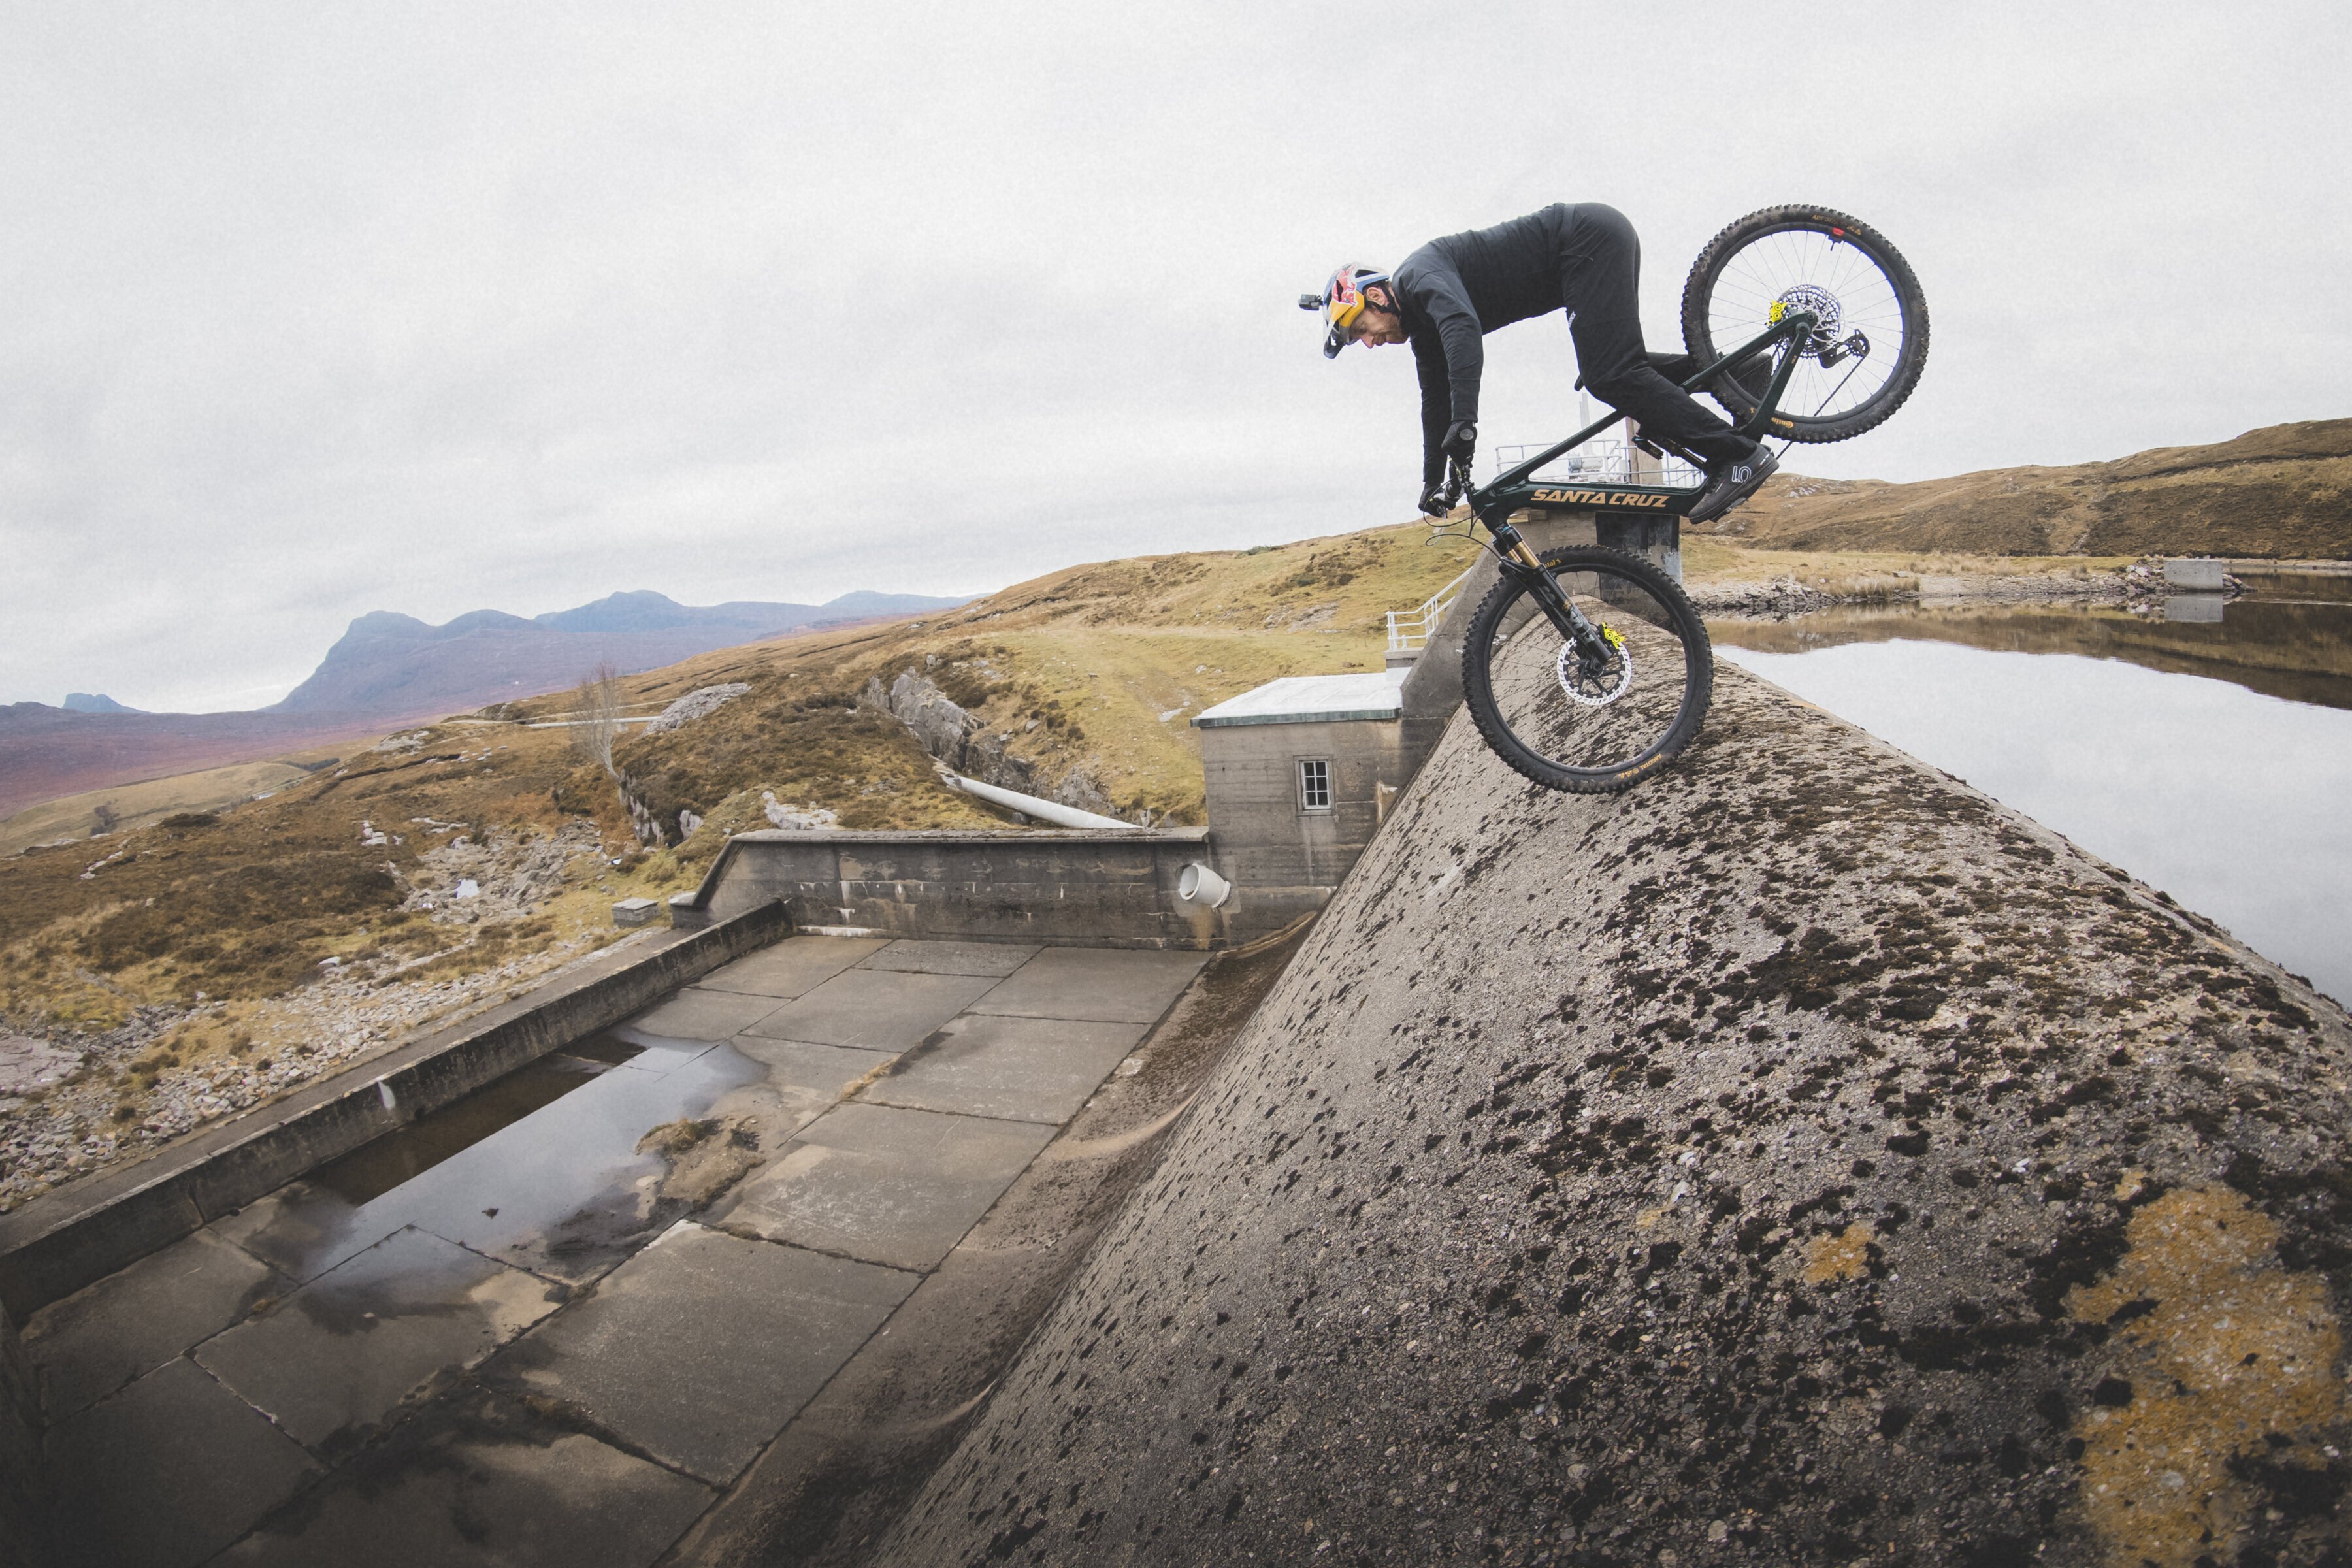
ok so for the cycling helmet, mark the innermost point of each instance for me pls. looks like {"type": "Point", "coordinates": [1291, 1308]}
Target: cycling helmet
{"type": "Point", "coordinates": [1341, 301]}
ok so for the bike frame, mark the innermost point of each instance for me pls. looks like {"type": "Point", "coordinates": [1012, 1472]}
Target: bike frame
{"type": "Point", "coordinates": [1514, 489]}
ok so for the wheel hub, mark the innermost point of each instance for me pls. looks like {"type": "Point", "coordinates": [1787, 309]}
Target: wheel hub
{"type": "Point", "coordinates": [1595, 683]}
{"type": "Point", "coordinates": [1828, 316]}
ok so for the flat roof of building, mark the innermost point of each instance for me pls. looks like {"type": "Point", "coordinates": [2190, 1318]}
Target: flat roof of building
{"type": "Point", "coordinates": [1312, 699]}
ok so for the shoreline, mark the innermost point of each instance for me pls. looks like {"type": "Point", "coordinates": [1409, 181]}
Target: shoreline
{"type": "Point", "coordinates": [1726, 582]}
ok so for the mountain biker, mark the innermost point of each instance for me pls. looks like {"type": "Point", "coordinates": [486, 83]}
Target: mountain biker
{"type": "Point", "coordinates": [1452, 291]}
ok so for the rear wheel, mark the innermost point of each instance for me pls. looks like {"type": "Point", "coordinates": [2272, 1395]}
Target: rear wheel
{"type": "Point", "coordinates": [1857, 367]}
{"type": "Point", "coordinates": [1589, 721]}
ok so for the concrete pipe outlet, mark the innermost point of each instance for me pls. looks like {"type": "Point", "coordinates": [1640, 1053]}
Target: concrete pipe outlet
{"type": "Point", "coordinates": [1198, 885]}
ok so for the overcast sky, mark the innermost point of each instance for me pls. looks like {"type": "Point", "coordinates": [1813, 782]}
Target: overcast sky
{"type": "Point", "coordinates": [306, 310]}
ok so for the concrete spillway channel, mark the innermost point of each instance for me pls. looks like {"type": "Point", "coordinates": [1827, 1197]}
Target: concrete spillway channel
{"type": "Point", "coordinates": [727, 1273]}
{"type": "Point", "coordinates": [1803, 1159]}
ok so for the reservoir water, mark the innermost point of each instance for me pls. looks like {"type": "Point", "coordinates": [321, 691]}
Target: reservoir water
{"type": "Point", "coordinates": [2208, 754]}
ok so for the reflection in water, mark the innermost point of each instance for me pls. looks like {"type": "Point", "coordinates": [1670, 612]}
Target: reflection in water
{"type": "Point", "coordinates": [2229, 800]}
{"type": "Point", "coordinates": [558, 1184]}
{"type": "Point", "coordinates": [2292, 638]}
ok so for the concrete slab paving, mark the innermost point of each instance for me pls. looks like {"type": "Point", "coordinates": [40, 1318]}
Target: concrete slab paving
{"type": "Point", "coordinates": [882, 1183]}
{"type": "Point", "coordinates": [480, 1481]}
{"type": "Point", "coordinates": [803, 1064]}
{"type": "Point", "coordinates": [496, 1329]}
{"type": "Point", "coordinates": [128, 1324]}
{"type": "Point", "coordinates": [875, 1009]}
{"type": "Point", "coordinates": [701, 1347]}
{"type": "Point", "coordinates": [334, 1360]}
{"type": "Point", "coordinates": [167, 1472]}
{"type": "Point", "coordinates": [1107, 985]}
{"type": "Point", "coordinates": [795, 966]}
{"type": "Point", "coordinates": [1019, 1070]}
{"type": "Point", "coordinates": [700, 1014]}
{"type": "Point", "coordinates": [999, 959]}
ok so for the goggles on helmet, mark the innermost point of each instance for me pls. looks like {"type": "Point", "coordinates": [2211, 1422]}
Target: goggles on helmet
{"type": "Point", "coordinates": [1341, 301]}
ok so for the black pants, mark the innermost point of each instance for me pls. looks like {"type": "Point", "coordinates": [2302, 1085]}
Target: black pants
{"type": "Point", "coordinates": [1600, 275]}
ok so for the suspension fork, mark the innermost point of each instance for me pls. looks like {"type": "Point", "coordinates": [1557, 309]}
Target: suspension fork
{"type": "Point", "coordinates": [1570, 622]}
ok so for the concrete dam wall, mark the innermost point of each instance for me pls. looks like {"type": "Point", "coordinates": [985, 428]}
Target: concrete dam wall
{"type": "Point", "coordinates": [1801, 1159]}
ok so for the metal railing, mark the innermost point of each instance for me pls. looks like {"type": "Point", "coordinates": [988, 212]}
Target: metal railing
{"type": "Point", "coordinates": [1408, 630]}
{"type": "Point", "coordinates": [1602, 462]}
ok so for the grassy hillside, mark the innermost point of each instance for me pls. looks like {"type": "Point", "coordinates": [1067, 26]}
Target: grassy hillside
{"type": "Point", "coordinates": [2285, 491]}
{"type": "Point", "coordinates": [142, 805]}
{"type": "Point", "coordinates": [216, 958]}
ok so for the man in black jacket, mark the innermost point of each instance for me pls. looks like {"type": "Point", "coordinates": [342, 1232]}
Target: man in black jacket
{"type": "Point", "coordinates": [1453, 291]}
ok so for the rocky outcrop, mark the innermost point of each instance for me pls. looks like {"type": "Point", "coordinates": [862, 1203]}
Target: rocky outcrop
{"type": "Point", "coordinates": [1801, 1159]}
{"type": "Point", "coordinates": [698, 703]}
{"type": "Point", "coordinates": [957, 738]}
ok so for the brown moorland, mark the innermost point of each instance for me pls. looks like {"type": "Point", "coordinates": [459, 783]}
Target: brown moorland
{"type": "Point", "coordinates": [217, 958]}
{"type": "Point", "coordinates": [2284, 491]}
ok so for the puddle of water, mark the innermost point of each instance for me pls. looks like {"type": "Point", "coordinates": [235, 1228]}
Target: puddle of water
{"type": "Point", "coordinates": [2227, 798]}
{"type": "Point", "coordinates": [549, 1180]}
{"type": "Point", "coordinates": [376, 1168]}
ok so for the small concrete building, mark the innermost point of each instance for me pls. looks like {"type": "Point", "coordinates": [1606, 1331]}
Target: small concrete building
{"type": "Point", "coordinates": [1300, 772]}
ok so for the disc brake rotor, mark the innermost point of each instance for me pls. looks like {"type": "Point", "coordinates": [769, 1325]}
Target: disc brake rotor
{"type": "Point", "coordinates": [1595, 685]}
{"type": "Point", "coordinates": [1827, 314]}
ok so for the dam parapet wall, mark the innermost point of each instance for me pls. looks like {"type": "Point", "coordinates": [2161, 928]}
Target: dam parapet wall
{"type": "Point", "coordinates": [1802, 1158]}
{"type": "Point", "coordinates": [1079, 886]}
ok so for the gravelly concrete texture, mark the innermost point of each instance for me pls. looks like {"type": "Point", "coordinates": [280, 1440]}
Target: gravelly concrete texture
{"type": "Point", "coordinates": [1801, 1159]}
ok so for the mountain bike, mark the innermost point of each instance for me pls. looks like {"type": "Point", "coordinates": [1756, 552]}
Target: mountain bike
{"type": "Point", "coordinates": [1589, 669]}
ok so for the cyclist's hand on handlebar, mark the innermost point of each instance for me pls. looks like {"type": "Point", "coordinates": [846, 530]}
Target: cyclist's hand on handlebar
{"type": "Point", "coordinates": [1460, 441]}
{"type": "Point", "coordinates": [1436, 499]}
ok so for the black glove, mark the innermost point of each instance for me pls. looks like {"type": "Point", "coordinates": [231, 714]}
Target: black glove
{"type": "Point", "coordinates": [1460, 441]}
{"type": "Point", "coordinates": [1433, 501]}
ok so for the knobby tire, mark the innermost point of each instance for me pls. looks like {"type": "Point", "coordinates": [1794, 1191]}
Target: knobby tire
{"type": "Point", "coordinates": [1740, 388]}
{"type": "Point", "coordinates": [1528, 755]}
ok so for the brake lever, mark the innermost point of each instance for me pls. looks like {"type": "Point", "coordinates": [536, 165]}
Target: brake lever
{"type": "Point", "coordinates": [1457, 481]}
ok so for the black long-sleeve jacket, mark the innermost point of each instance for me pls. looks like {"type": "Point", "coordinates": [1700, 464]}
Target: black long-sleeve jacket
{"type": "Point", "coordinates": [1454, 291]}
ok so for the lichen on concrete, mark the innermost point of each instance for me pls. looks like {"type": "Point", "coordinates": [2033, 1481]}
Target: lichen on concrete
{"type": "Point", "coordinates": [1802, 1158]}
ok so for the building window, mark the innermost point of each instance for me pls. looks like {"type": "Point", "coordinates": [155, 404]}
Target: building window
{"type": "Point", "coordinates": [1315, 784]}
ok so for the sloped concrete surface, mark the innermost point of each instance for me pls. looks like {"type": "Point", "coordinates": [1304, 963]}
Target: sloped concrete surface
{"type": "Point", "coordinates": [1803, 1159]}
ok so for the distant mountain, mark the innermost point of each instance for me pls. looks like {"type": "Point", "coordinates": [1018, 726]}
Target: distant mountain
{"type": "Point", "coordinates": [389, 670]}
{"type": "Point", "coordinates": [47, 751]}
{"type": "Point", "coordinates": [645, 611]}
{"type": "Point", "coordinates": [84, 703]}
{"type": "Point", "coordinates": [399, 666]}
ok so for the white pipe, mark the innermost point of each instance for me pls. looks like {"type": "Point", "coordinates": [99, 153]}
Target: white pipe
{"type": "Point", "coordinates": [1060, 815]}
{"type": "Point", "coordinates": [1198, 884]}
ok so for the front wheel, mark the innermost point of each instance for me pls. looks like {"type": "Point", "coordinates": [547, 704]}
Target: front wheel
{"type": "Point", "coordinates": [1869, 343]}
{"type": "Point", "coordinates": [1597, 719]}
